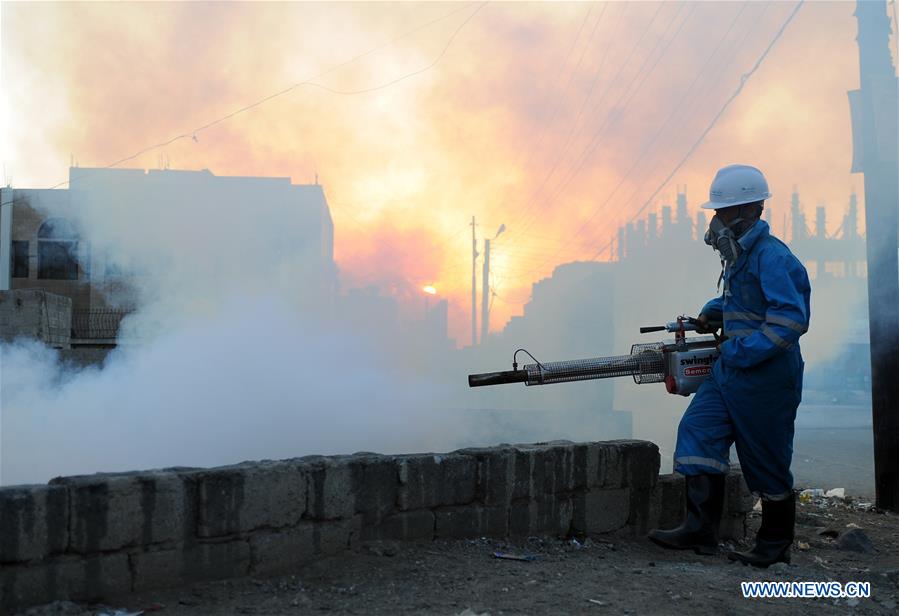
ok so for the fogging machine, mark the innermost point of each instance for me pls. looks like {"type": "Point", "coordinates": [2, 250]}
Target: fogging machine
{"type": "Point", "coordinates": [682, 364]}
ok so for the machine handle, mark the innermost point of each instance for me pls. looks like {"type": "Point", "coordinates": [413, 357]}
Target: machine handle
{"type": "Point", "coordinates": [688, 325]}
{"type": "Point", "coordinates": [497, 378]}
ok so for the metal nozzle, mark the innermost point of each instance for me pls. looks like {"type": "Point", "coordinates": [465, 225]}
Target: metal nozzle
{"type": "Point", "coordinates": [653, 328]}
{"type": "Point", "coordinates": [497, 378]}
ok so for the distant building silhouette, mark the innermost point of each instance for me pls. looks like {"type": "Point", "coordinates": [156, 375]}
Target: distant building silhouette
{"type": "Point", "coordinates": [50, 252]}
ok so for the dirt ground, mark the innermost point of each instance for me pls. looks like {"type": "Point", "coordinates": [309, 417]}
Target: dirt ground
{"type": "Point", "coordinates": [612, 574]}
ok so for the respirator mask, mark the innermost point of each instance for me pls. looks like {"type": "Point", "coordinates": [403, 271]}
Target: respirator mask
{"type": "Point", "coordinates": [723, 239]}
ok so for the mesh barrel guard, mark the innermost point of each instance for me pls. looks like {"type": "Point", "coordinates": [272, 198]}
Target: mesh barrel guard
{"type": "Point", "coordinates": [645, 364]}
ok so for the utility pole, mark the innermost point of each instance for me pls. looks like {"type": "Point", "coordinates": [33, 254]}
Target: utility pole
{"type": "Point", "coordinates": [485, 292]}
{"type": "Point", "coordinates": [474, 286]}
{"type": "Point", "coordinates": [875, 111]}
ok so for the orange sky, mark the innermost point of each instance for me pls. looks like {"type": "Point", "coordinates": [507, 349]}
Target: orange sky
{"type": "Point", "coordinates": [533, 116]}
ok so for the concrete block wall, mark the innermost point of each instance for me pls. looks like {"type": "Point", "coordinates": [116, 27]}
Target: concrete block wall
{"type": "Point", "coordinates": [34, 313]}
{"type": "Point", "coordinates": [668, 504]}
{"type": "Point", "coordinates": [89, 537]}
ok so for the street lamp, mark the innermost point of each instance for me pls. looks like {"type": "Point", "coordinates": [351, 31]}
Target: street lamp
{"type": "Point", "coordinates": [485, 305]}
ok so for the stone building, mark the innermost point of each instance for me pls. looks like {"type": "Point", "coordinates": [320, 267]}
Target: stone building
{"type": "Point", "coordinates": [47, 250]}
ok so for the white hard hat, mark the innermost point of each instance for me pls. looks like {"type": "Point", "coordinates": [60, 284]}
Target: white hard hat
{"type": "Point", "coordinates": [736, 185]}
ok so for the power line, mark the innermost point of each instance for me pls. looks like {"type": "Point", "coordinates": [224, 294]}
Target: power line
{"type": "Point", "coordinates": [743, 80]}
{"type": "Point", "coordinates": [404, 77]}
{"type": "Point", "coordinates": [628, 94]}
{"type": "Point", "coordinates": [561, 96]}
{"type": "Point", "coordinates": [684, 97]}
{"type": "Point", "coordinates": [530, 151]}
{"type": "Point", "coordinates": [577, 121]}
{"type": "Point", "coordinates": [532, 202]}
{"type": "Point", "coordinates": [193, 133]}
{"type": "Point", "coordinates": [687, 92]}
{"type": "Point", "coordinates": [674, 113]}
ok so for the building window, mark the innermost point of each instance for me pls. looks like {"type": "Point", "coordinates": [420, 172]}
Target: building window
{"type": "Point", "coordinates": [57, 250]}
{"type": "Point", "coordinates": [19, 259]}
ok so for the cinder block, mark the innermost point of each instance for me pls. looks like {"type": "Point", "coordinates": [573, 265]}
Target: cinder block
{"type": "Point", "coordinates": [557, 467]}
{"type": "Point", "coordinates": [188, 564]}
{"type": "Point", "coordinates": [330, 488]}
{"type": "Point", "coordinates": [431, 480]}
{"type": "Point", "coordinates": [540, 474]}
{"type": "Point", "coordinates": [583, 465]}
{"type": "Point", "coordinates": [641, 510]}
{"type": "Point", "coordinates": [458, 522]}
{"type": "Point", "coordinates": [668, 504]}
{"type": "Point", "coordinates": [733, 526]}
{"type": "Point", "coordinates": [601, 511]}
{"type": "Point", "coordinates": [564, 471]}
{"type": "Point", "coordinates": [641, 463]}
{"type": "Point", "coordinates": [34, 522]}
{"type": "Point", "coordinates": [89, 579]}
{"type": "Point", "coordinates": [375, 486]}
{"type": "Point", "coordinates": [495, 475]}
{"type": "Point", "coordinates": [553, 468]}
{"type": "Point", "coordinates": [738, 498]}
{"type": "Point", "coordinates": [281, 551]}
{"type": "Point", "coordinates": [544, 516]}
{"type": "Point", "coordinates": [460, 476]}
{"type": "Point", "coordinates": [527, 477]}
{"type": "Point", "coordinates": [592, 468]}
{"type": "Point", "coordinates": [553, 516]}
{"type": "Point", "coordinates": [403, 526]}
{"type": "Point", "coordinates": [495, 521]}
{"type": "Point", "coordinates": [158, 568]}
{"type": "Point", "coordinates": [470, 521]}
{"type": "Point", "coordinates": [546, 461]}
{"type": "Point", "coordinates": [109, 512]}
{"type": "Point", "coordinates": [420, 477]}
{"type": "Point", "coordinates": [610, 471]}
{"type": "Point", "coordinates": [246, 497]}
{"type": "Point", "coordinates": [335, 536]}
{"type": "Point", "coordinates": [547, 468]}
{"type": "Point", "coordinates": [668, 501]}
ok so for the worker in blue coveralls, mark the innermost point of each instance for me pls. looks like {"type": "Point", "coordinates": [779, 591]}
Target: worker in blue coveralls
{"type": "Point", "coordinates": [751, 397]}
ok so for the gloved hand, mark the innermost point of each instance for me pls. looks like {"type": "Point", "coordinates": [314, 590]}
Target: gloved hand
{"type": "Point", "coordinates": [703, 326]}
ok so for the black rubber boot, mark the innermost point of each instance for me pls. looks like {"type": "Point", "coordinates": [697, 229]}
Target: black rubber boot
{"type": "Point", "coordinates": [699, 530]}
{"type": "Point", "coordinates": [772, 543]}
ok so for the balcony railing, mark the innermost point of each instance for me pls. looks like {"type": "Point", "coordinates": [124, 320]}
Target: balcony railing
{"type": "Point", "coordinates": [97, 324]}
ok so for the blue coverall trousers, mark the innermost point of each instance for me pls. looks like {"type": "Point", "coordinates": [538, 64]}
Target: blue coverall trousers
{"type": "Point", "coordinates": [754, 408]}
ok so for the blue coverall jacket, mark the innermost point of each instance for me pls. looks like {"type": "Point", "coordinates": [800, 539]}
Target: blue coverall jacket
{"type": "Point", "coordinates": [755, 387]}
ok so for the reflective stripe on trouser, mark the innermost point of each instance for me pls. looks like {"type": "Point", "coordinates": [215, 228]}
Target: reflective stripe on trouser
{"type": "Point", "coordinates": [776, 319]}
{"type": "Point", "coordinates": [754, 409]}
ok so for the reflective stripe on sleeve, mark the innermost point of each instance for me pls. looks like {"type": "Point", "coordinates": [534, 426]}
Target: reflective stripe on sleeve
{"type": "Point", "coordinates": [776, 319]}
{"type": "Point", "coordinates": [739, 333]}
{"type": "Point", "coordinates": [773, 337]}
{"type": "Point", "coordinates": [710, 462]}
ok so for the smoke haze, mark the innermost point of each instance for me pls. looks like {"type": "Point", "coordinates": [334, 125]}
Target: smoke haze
{"type": "Point", "coordinates": [557, 119]}
{"type": "Point", "coordinates": [495, 128]}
